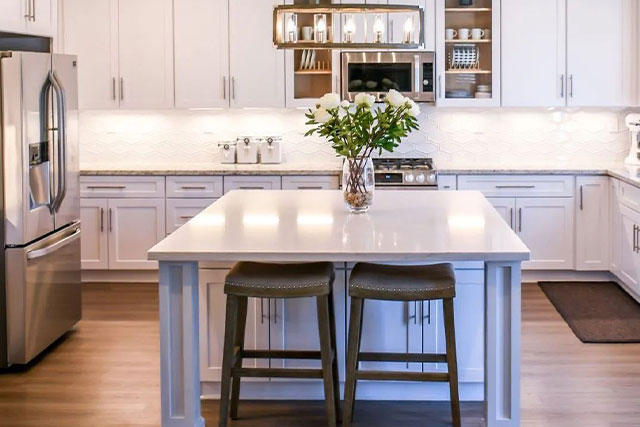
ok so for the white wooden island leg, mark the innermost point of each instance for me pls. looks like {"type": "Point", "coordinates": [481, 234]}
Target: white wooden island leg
{"type": "Point", "coordinates": [179, 364]}
{"type": "Point", "coordinates": [502, 344]}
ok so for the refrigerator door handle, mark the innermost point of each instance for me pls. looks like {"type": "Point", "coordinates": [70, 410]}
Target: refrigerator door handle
{"type": "Point", "coordinates": [38, 253]}
{"type": "Point", "coordinates": [61, 169]}
{"type": "Point", "coordinates": [44, 136]}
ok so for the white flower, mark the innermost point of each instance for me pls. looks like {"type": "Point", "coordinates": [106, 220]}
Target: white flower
{"type": "Point", "coordinates": [329, 101]}
{"type": "Point", "coordinates": [414, 109]}
{"type": "Point", "coordinates": [345, 104]}
{"type": "Point", "coordinates": [365, 99]}
{"type": "Point", "coordinates": [395, 98]}
{"type": "Point", "coordinates": [321, 115]}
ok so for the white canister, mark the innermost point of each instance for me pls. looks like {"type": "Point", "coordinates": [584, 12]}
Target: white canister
{"type": "Point", "coordinates": [271, 150]}
{"type": "Point", "coordinates": [247, 150]}
{"type": "Point", "coordinates": [227, 152]}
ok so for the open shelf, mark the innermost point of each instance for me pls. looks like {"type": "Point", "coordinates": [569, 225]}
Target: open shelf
{"type": "Point", "coordinates": [313, 72]}
{"type": "Point", "coordinates": [468, 41]}
{"type": "Point", "coordinates": [471, 71]}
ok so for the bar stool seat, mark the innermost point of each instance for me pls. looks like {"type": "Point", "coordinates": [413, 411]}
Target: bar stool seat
{"type": "Point", "coordinates": [402, 283]}
{"type": "Point", "coordinates": [260, 280]}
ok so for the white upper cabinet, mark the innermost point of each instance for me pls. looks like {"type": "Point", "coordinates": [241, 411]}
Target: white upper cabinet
{"type": "Point", "coordinates": [27, 17]}
{"type": "Point", "coordinates": [201, 40]}
{"type": "Point", "coordinates": [146, 53]}
{"type": "Point", "coordinates": [90, 31]}
{"type": "Point", "coordinates": [599, 60]}
{"type": "Point", "coordinates": [397, 22]}
{"type": "Point", "coordinates": [257, 76]}
{"type": "Point", "coordinates": [592, 223]}
{"type": "Point", "coordinates": [534, 58]}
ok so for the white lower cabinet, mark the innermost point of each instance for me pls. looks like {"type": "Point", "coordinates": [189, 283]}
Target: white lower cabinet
{"type": "Point", "coordinates": [506, 207]}
{"type": "Point", "coordinates": [629, 270]}
{"type": "Point", "coordinates": [135, 225]}
{"type": "Point", "coordinates": [94, 239]}
{"type": "Point", "coordinates": [592, 223]}
{"type": "Point", "coordinates": [616, 226]}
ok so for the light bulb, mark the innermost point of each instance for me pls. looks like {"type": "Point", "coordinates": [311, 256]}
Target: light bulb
{"type": "Point", "coordinates": [378, 29]}
{"type": "Point", "coordinates": [321, 25]}
{"type": "Point", "coordinates": [292, 28]}
{"type": "Point", "coordinates": [291, 25]}
{"type": "Point", "coordinates": [408, 30]}
{"type": "Point", "coordinates": [349, 29]}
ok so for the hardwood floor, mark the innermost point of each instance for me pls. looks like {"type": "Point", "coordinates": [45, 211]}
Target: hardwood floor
{"type": "Point", "coordinates": [105, 373]}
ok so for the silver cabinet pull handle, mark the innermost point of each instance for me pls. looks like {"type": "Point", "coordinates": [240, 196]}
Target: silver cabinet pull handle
{"type": "Point", "coordinates": [250, 188]}
{"type": "Point", "coordinates": [113, 88]}
{"type": "Point", "coordinates": [186, 216]}
{"type": "Point", "coordinates": [511, 215]}
{"type": "Point", "coordinates": [571, 85]}
{"type": "Point", "coordinates": [110, 220]}
{"type": "Point", "coordinates": [33, 10]}
{"type": "Point", "coordinates": [224, 87]}
{"type": "Point", "coordinates": [581, 199]}
{"type": "Point", "coordinates": [193, 187]}
{"type": "Point", "coordinates": [562, 86]}
{"type": "Point", "coordinates": [121, 88]}
{"type": "Point", "coordinates": [440, 86]}
{"type": "Point", "coordinates": [233, 88]}
{"type": "Point", "coordinates": [310, 187]}
{"type": "Point", "coordinates": [38, 253]}
{"type": "Point", "coordinates": [102, 220]}
{"type": "Point", "coordinates": [520, 219]}
{"type": "Point", "coordinates": [502, 187]}
{"type": "Point", "coordinates": [106, 187]}
{"type": "Point", "coordinates": [635, 238]}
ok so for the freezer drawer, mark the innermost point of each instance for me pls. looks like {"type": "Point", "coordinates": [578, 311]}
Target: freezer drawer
{"type": "Point", "coordinates": [43, 293]}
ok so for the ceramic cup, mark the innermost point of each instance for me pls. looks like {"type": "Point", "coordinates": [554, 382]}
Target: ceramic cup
{"type": "Point", "coordinates": [307, 33]}
{"type": "Point", "coordinates": [477, 34]}
{"type": "Point", "coordinates": [450, 34]}
{"type": "Point", "coordinates": [464, 34]}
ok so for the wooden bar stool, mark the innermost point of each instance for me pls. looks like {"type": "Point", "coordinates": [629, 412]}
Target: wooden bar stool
{"type": "Point", "coordinates": [400, 283]}
{"type": "Point", "coordinates": [259, 280]}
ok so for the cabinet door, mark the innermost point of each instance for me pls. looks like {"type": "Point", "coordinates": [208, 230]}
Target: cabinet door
{"type": "Point", "coordinates": [146, 53]}
{"type": "Point", "coordinates": [545, 225]}
{"type": "Point", "coordinates": [398, 20]}
{"type": "Point", "coordinates": [310, 182]}
{"type": "Point", "coordinates": [599, 53]}
{"type": "Point", "coordinates": [294, 326]}
{"type": "Point", "coordinates": [251, 183]}
{"type": "Point", "coordinates": [257, 67]}
{"type": "Point", "coordinates": [201, 34]}
{"type": "Point", "coordinates": [592, 223]}
{"type": "Point", "coordinates": [506, 207]}
{"type": "Point", "coordinates": [135, 226]}
{"type": "Point", "coordinates": [616, 226]}
{"type": "Point", "coordinates": [13, 15]}
{"type": "Point", "coordinates": [93, 241]}
{"type": "Point", "coordinates": [42, 22]}
{"type": "Point", "coordinates": [534, 66]}
{"type": "Point", "coordinates": [630, 259]}
{"type": "Point", "coordinates": [212, 309]}
{"type": "Point", "coordinates": [90, 31]}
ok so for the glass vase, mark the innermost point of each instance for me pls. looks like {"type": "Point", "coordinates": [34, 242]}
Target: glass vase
{"type": "Point", "coordinates": [358, 183]}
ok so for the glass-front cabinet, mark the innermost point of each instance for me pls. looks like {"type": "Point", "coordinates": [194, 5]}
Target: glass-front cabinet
{"type": "Point", "coordinates": [310, 73]}
{"type": "Point", "coordinates": [468, 53]}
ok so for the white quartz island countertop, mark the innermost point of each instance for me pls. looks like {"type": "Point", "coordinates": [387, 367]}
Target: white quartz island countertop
{"type": "Point", "coordinates": [256, 225]}
{"type": "Point", "coordinates": [310, 225]}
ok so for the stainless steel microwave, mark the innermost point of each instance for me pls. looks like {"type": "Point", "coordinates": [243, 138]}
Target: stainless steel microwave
{"type": "Point", "coordinates": [375, 73]}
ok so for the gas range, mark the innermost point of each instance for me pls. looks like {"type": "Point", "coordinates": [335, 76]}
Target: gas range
{"type": "Point", "coordinates": [419, 174]}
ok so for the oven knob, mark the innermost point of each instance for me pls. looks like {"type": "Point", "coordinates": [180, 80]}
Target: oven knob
{"type": "Point", "coordinates": [432, 178]}
{"type": "Point", "coordinates": [420, 178]}
{"type": "Point", "coordinates": [408, 178]}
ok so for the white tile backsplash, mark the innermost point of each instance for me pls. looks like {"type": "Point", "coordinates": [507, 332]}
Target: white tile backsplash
{"type": "Point", "coordinates": [450, 136]}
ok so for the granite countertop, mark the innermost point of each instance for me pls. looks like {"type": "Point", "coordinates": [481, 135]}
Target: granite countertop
{"type": "Point", "coordinates": [618, 170]}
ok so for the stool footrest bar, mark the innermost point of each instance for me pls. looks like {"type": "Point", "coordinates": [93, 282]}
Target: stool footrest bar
{"type": "Point", "coordinates": [402, 357]}
{"type": "Point", "coordinates": [402, 376]}
{"type": "Point", "coordinates": [281, 354]}
{"type": "Point", "coordinates": [277, 372]}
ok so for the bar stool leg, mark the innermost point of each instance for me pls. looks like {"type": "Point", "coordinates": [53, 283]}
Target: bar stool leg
{"type": "Point", "coordinates": [326, 352]}
{"type": "Point", "coordinates": [239, 344]}
{"type": "Point", "coordinates": [334, 365]}
{"type": "Point", "coordinates": [355, 335]}
{"type": "Point", "coordinates": [227, 358]}
{"type": "Point", "coordinates": [452, 363]}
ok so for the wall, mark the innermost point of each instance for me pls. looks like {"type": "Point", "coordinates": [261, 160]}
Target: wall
{"type": "Point", "coordinates": [452, 137]}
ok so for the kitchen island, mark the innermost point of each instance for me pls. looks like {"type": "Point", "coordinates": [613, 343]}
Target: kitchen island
{"type": "Point", "coordinates": [304, 226]}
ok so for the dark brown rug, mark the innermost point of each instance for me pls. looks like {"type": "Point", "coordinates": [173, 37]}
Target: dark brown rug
{"type": "Point", "coordinates": [596, 312]}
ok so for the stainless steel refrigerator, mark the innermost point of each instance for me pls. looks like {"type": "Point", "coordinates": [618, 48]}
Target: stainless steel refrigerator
{"type": "Point", "coordinates": [40, 203]}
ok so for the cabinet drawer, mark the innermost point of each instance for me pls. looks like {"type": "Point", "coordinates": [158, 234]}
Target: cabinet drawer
{"type": "Point", "coordinates": [447, 182]}
{"type": "Point", "coordinates": [519, 185]}
{"type": "Point", "coordinates": [251, 183]}
{"type": "Point", "coordinates": [179, 211]}
{"type": "Point", "coordinates": [630, 196]}
{"type": "Point", "coordinates": [122, 186]}
{"type": "Point", "coordinates": [310, 183]}
{"type": "Point", "coordinates": [194, 186]}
